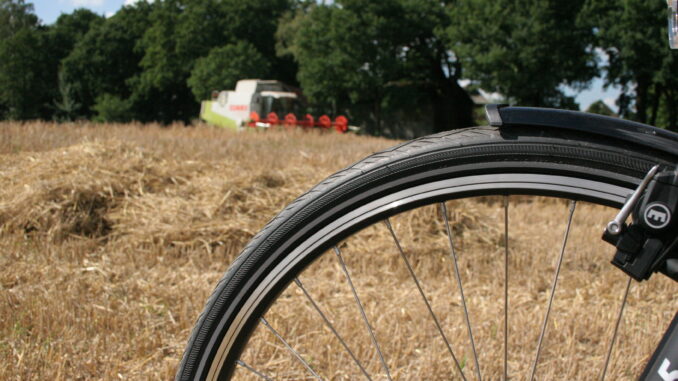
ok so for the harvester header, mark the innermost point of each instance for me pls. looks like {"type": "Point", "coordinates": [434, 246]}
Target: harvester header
{"type": "Point", "coordinates": [259, 103]}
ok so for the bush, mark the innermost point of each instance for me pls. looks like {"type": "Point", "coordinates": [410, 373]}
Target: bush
{"type": "Point", "coordinates": [112, 108]}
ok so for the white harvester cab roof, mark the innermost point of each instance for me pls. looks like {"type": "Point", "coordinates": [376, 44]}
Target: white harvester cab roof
{"type": "Point", "coordinates": [260, 85]}
{"type": "Point", "coordinates": [278, 94]}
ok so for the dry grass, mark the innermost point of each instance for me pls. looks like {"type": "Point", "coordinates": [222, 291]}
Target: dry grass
{"type": "Point", "coordinates": [587, 299]}
{"type": "Point", "coordinates": [112, 237]}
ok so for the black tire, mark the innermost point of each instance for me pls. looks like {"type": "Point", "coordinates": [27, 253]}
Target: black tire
{"type": "Point", "coordinates": [482, 161]}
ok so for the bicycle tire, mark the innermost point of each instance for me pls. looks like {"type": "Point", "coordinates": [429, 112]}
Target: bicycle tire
{"type": "Point", "coordinates": [474, 161]}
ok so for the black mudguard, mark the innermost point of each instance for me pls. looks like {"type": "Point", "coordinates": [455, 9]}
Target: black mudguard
{"type": "Point", "coordinates": [637, 133]}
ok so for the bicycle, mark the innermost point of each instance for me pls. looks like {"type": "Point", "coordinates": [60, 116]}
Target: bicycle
{"type": "Point", "coordinates": [425, 190]}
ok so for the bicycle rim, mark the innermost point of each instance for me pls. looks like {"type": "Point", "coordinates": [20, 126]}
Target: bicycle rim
{"type": "Point", "coordinates": [390, 201]}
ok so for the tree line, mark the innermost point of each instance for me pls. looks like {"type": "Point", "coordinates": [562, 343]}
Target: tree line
{"type": "Point", "coordinates": [375, 61]}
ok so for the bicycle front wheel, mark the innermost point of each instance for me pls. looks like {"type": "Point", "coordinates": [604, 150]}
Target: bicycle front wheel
{"type": "Point", "coordinates": [469, 254]}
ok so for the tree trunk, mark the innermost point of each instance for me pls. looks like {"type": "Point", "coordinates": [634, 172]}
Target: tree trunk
{"type": "Point", "coordinates": [452, 106]}
{"type": "Point", "coordinates": [641, 99]}
{"type": "Point", "coordinates": [656, 95]}
{"type": "Point", "coordinates": [376, 115]}
{"type": "Point", "coordinates": [672, 104]}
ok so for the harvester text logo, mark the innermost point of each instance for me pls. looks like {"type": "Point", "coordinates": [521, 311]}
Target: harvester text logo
{"type": "Point", "coordinates": [238, 107]}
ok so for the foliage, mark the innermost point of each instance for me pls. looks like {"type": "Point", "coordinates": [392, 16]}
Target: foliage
{"type": "Point", "coordinates": [181, 31]}
{"type": "Point", "coordinates": [21, 55]}
{"type": "Point", "coordinates": [387, 65]}
{"type": "Point", "coordinates": [632, 34]}
{"type": "Point", "coordinates": [65, 107]}
{"type": "Point", "coordinates": [525, 50]}
{"type": "Point", "coordinates": [16, 15]}
{"type": "Point", "coordinates": [105, 59]}
{"type": "Point", "coordinates": [70, 28]}
{"type": "Point", "coordinates": [599, 107]}
{"type": "Point", "coordinates": [24, 75]}
{"type": "Point", "coordinates": [359, 52]}
{"type": "Point", "coordinates": [29, 79]}
{"type": "Point", "coordinates": [61, 38]}
{"type": "Point", "coordinates": [224, 66]}
{"type": "Point", "coordinates": [112, 108]}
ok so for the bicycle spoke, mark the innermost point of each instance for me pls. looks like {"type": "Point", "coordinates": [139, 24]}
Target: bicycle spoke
{"type": "Point", "coordinates": [256, 372]}
{"type": "Point", "coordinates": [453, 254]}
{"type": "Point", "coordinates": [423, 296]}
{"type": "Point", "coordinates": [362, 312]}
{"type": "Point", "coordinates": [616, 329]}
{"type": "Point", "coordinates": [573, 205]}
{"type": "Point", "coordinates": [506, 279]}
{"type": "Point", "coordinates": [331, 327]}
{"type": "Point", "coordinates": [287, 345]}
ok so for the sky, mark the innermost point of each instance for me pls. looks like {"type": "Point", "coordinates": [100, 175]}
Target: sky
{"type": "Point", "coordinates": [49, 10]}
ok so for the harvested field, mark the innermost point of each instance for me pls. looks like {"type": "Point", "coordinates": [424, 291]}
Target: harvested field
{"type": "Point", "coordinates": [113, 236]}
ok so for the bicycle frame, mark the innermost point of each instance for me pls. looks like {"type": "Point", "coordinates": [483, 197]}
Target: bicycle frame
{"type": "Point", "coordinates": [663, 365]}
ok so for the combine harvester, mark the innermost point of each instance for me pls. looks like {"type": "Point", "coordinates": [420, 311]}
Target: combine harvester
{"type": "Point", "coordinates": [265, 104]}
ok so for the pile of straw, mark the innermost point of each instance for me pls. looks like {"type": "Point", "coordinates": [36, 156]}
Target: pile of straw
{"type": "Point", "coordinates": [113, 236]}
{"type": "Point", "coordinates": [72, 191]}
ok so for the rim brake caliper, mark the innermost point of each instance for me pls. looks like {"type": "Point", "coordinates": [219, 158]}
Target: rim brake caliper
{"type": "Point", "coordinates": [650, 242]}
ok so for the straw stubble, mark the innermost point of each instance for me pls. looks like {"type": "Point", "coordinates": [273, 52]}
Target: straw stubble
{"type": "Point", "coordinates": [113, 236]}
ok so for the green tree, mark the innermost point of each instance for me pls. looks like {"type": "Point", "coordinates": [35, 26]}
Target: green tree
{"type": "Point", "coordinates": [632, 33]}
{"type": "Point", "coordinates": [25, 80]}
{"type": "Point", "coordinates": [105, 61]}
{"type": "Point", "coordinates": [65, 107]}
{"type": "Point", "coordinates": [224, 66]}
{"type": "Point", "coordinates": [14, 16]}
{"type": "Point", "coordinates": [599, 107]}
{"type": "Point", "coordinates": [182, 31]}
{"type": "Point", "coordinates": [61, 37]}
{"type": "Point", "coordinates": [71, 28]}
{"type": "Point", "coordinates": [526, 50]}
{"type": "Point", "coordinates": [22, 67]}
{"type": "Point", "coordinates": [112, 108]}
{"type": "Point", "coordinates": [372, 54]}
{"type": "Point", "coordinates": [30, 86]}
{"type": "Point", "coordinates": [665, 111]}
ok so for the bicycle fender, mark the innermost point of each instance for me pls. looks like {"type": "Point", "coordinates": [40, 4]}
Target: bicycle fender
{"type": "Point", "coordinates": [637, 133]}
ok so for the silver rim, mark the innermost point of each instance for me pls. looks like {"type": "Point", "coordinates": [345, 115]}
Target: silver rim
{"type": "Point", "coordinates": [500, 184]}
